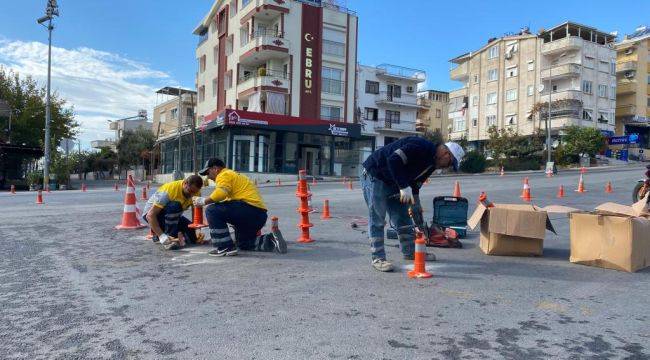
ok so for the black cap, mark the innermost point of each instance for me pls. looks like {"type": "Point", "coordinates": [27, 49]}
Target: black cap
{"type": "Point", "coordinates": [211, 163]}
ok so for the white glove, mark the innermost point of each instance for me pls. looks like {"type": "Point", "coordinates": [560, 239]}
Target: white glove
{"type": "Point", "coordinates": [198, 201]}
{"type": "Point", "coordinates": [406, 196]}
{"type": "Point", "coordinates": [164, 238]}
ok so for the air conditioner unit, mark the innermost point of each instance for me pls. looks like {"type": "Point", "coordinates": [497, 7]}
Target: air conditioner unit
{"type": "Point", "coordinates": [629, 74]}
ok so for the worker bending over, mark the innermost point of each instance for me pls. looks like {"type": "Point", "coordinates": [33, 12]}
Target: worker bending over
{"type": "Point", "coordinates": [391, 183]}
{"type": "Point", "coordinates": [236, 201]}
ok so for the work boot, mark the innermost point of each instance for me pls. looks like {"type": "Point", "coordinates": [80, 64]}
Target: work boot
{"type": "Point", "coordinates": [382, 265]}
{"type": "Point", "coordinates": [429, 257]}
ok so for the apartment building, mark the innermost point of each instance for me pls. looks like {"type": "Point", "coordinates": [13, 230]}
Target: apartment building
{"type": "Point", "coordinates": [387, 101]}
{"type": "Point", "coordinates": [120, 126]}
{"type": "Point", "coordinates": [633, 86]}
{"type": "Point", "coordinates": [166, 115]}
{"type": "Point", "coordinates": [433, 114]}
{"type": "Point", "coordinates": [570, 65]}
{"type": "Point", "coordinates": [276, 82]}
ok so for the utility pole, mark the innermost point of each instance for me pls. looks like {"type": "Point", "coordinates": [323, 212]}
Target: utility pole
{"type": "Point", "coordinates": [51, 10]}
{"type": "Point", "coordinates": [179, 171]}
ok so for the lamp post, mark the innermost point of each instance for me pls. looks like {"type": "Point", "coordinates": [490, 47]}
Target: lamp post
{"type": "Point", "coordinates": [51, 11]}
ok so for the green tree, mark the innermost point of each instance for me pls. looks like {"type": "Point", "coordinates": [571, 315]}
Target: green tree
{"type": "Point", "coordinates": [507, 143]}
{"type": "Point", "coordinates": [134, 147]}
{"type": "Point", "coordinates": [583, 140]}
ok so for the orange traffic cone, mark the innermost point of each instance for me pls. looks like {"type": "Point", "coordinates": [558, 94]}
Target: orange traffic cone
{"type": "Point", "coordinates": [457, 190]}
{"type": "Point", "coordinates": [326, 210]}
{"type": "Point", "coordinates": [502, 171]}
{"type": "Point", "coordinates": [350, 187]}
{"type": "Point", "coordinates": [608, 188]}
{"type": "Point", "coordinates": [560, 192]}
{"type": "Point", "coordinates": [549, 173]}
{"type": "Point", "coordinates": [526, 195]}
{"type": "Point", "coordinates": [129, 217]}
{"type": "Point", "coordinates": [419, 262]}
{"type": "Point", "coordinates": [523, 191]}
{"type": "Point", "coordinates": [484, 200]}
{"type": "Point", "coordinates": [303, 194]}
{"type": "Point", "coordinates": [13, 189]}
{"type": "Point", "coordinates": [279, 182]}
{"type": "Point", "coordinates": [313, 180]}
{"type": "Point", "coordinates": [116, 187]}
{"type": "Point", "coordinates": [144, 194]}
{"type": "Point", "coordinates": [583, 170]}
{"type": "Point", "coordinates": [83, 187]}
{"type": "Point", "coordinates": [197, 218]}
{"type": "Point", "coordinates": [39, 197]}
{"type": "Point", "coordinates": [581, 185]}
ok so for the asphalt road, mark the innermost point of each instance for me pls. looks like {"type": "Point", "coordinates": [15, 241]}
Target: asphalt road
{"type": "Point", "coordinates": [72, 287]}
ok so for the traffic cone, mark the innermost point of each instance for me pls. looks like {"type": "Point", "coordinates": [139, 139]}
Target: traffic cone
{"type": "Point", "coordinates": [420, 259]}
{"type": "Point", "coordinates": [502, 172]}
{"type": "Point", "coordinates": [457, 190]}
{"type": "Point", "coordinates": [527, 197]}
{"type": "Point", "coordinates": [39, 197]}
{"type": "Point", "coordinates": [116, 187]}
{"type": "Point", "coordinates": [144, 194]}
{"type": "Point", "coordinates": [197, 218]}
{"type": "Point", "coordinates": [313, 180]}
{"type": "Point", "coordinates": [484, 200]}
{"type": "Point", "coordinates": [83, 187]}
{"type": "Point", "coordinates": [303, 194]}
{"type": "Point", "coordinates": [583, 170]}
{"type": "Point", "coordinates": [581, 185]}
{"type": "Point", "coordinates": [560, 192]}
{"type": "Point", "coordinates": [326, 210]}
{"type": "Point", "coordinates": [279, 182]}
{"type": "Point", "coordinates": [523, 191]}
{"type": "Point", "coordinates": [129, 217]}
{"type": "Point", "coordinates": [13, 189]}
{"type": "Point", "coordinates": [350, 187]}
{"type": "Point", "coordinates": [549, 173]}
{"type": "Point", "coordinates": [608, 188]}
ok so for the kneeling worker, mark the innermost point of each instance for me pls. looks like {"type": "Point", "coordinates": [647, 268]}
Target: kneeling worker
{"type": "Point", "coordinates": [164, 212]}
{"type": "Point", "coordinates": [236, 201]}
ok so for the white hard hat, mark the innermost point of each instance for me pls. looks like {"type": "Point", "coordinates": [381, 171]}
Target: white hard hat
{"type": "Point", "coordinates": [458, 153]}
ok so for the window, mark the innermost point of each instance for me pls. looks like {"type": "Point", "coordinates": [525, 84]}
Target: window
{"type": "Point", "coordinates": [202, 93]}
{"type": "Point", "coordinates": [649, 101]}
{"type": "Point", "coordinates": [244, 35]}
{"type": "Point", "coordinates": [229, 45]}
{"type": "Point", "coordinates": [554, 88]}
{"type": "Point", "coordinates": [602, 91]}
{"type": "Point", "coordinates": [330, 113]}
{"type": "Point", "coordinates": [492, 98]}
{"type": "Point", "coordinates": [587, 115]}
{"type": "Point", "coordinates": [603, 117]}
{"type": "Point", "coordinates": [491, 120]}
{"type": "Point", "coordinates": [214, 87]}
{"type": "Point", "coordinates": [511, 119]}
{"type": "Point", "coordinates": [244, 3]}
{"type": "Point", "coordinates": [163, 117]}
{"type": "Point", "coordinates": [227, 80]}
{"type": "Point", "coordinates": [493, 52]}
{"type": "Point", "coordinates": [531, 65]}
{"type": "Point", "coordinates": [174, 114]}
{"type": "Point", "coordinates": [493, 75]}
{"type": "Point", "coordinates": [202, 64]}
{"type": "Point", "coordinates": [438, 113]}
{"type": "Point", "coordinates": [371, 114]}
{"type": "Point", "coordinates": [215, 55]}
{"type": "Point", "coordinates": [233, 8]}
{"type": "Point", "coordinates": [333, 48]}
{"type": "Point", "coordinates": [475, 79]}
{"type": "Point", "coordinates": [589, 62]}
{"type": "Point", "coordinates": [603, 66]}
{"type": "Point", "coordinates": [511, 72]}
{"type": "Point", "coordinates": [332, 81]}
{"type": "Point", "coordinates": [459, 124]}
{"type": "Point", "coordinates": [393, 116]}
{"type": "Point", "coordinates": [530, 90]}
{"type": "Point", "coordinates": [612, 92]}
{"type": "Point", "coordinates": [586, 87]}
{"type": "Point", "coordinates": [612, 67]}
{"type": "Point", "coordinates": [474, 122]}
{"type": "Point", "coordinates": [648, 79]}
{"type": "Point", "coordinates": [475, 100]}
{"type": "Point", "coordinates": [511, 95]}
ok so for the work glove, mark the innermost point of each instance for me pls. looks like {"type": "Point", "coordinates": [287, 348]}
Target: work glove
{"type": "Point", "coordinates": [406, 196]}
{"type": "Point", "coordinates": [164, 239]}
{"type": "Point", "coordinates": [198, 201]}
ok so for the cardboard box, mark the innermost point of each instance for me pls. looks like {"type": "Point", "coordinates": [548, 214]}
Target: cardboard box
{"type": "Point", "coordinates": [515, 230]}
{"type": "Point", "coordinates": [613, 237]}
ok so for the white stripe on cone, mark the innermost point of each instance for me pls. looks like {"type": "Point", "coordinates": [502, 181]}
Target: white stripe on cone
{"type": "Point", "coordinates": [129, 208]}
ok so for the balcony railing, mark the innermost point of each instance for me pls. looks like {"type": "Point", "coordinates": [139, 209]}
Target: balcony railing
{"type": "Point", "coordinates": [202, 38]}
{"type": "Point", "coordinates": [563, 70]}
{"type": "Point", "coordinates": [626, 87]}
{"type": "Point", "coordinates": [333, 48]}
{"type": "Point", "coordinates": [459, 72]}
{"type": "Point", "coordinates": [392, 124]}
{"type": "Point", "coordinates": [424, 102]}
{"type": "Point", "coordinates": [625, 110]}
{"type": "Point", "coordinates": [332, 86]}
{"type": "Point", "coordinates": [567, 43]}
{"type": "Point", "coordinates": [391, 98]}
{"type": "Point", "coordinates": [332, 118]}
{"type": "Point", "coordinates": [401, 72]}
{"type": "Point", "coordinates": [247, 75]}
{"type": "Point", "coordinates": [562, 95]}
{"type": "Point", "coordinates": [626, 66]}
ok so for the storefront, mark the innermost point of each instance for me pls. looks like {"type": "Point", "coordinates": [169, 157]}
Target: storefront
{"type": "Point", "coordinates": [266, 143]}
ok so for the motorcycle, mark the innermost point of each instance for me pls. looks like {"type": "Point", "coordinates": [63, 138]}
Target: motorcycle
{"type": "Point", "coordinates": [642, 187]}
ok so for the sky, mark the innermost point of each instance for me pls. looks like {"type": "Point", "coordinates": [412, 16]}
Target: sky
{"type": "Point", "coordinates": [109, 56]}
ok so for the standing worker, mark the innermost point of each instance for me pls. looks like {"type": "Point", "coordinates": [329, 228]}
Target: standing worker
{"type": "Point", "coordinates": [391, 183]}
{"type": "Point", "coordinates": [164, 212]}
{"type": "Point", "coordinates": [236, 201]}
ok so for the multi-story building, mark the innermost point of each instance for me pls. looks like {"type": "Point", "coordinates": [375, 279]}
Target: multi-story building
{"type": "Point", "coordinates": [166, 114]}
{"type": "Point", "coordinates": [276, 82]}
{"type": "Point", "coordinates": [434, 112]}
{"type": "Point", "coordinates": [387, 101]}
{"type": "Point", "coordinates": [633, 85]}
{"type": "Point", "coordinates": [571, 64]}
{"type": "Point", "coordinates": [120, 126]}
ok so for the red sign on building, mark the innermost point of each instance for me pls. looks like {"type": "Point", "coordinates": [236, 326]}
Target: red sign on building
{"type": "Point", "coordinates": [310, 67]}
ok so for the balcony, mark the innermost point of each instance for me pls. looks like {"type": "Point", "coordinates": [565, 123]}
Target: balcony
{"type": "Point", "coordinates": [458, 93]}
{"type": "Point", "coordinates": [565, 44]}
{"type": "Point", "coordinates": [626, 66]}
{"type": "Point", "coordinates": [400, 73]}
{"type": "Point", "coordinates": [625, 110]}
{"type": "Point", "coordinates": [560, 71]}
{"type": "Point", "coordinates": [263, 46]}
{"type": "Point", "coordinates": [393, 125]}
{"type": "Point", "coordinates": [263, 9]}
{"type": "Point", "coordinates": [562, 95]}
{"type": "Point", "coordinates": [424, 102]}
{"type": "Point", "coordinates": [256, 80]}
{"type": "Point", "coordinates": [627, 87]}
{"type": "Point", "coordinates": [202, 38]}
{"type": "Point", "coordinates": [390, 99]}
{"type": "Point", "coordinates": [460, 72]}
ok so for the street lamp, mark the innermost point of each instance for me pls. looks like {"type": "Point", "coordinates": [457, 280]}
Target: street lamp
{"type": "Point", "coordinates": [548, 118]}
{"type": "Point", "coordinates": [51, 11]}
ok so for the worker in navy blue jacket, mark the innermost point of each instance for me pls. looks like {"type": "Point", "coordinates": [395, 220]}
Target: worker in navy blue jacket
{"type": "Point", "coordinates": [391, 183]}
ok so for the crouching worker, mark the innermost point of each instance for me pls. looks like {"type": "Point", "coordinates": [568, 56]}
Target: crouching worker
{"type": "Point", "coordinates": [164, 212]}
{"type": "Point", "coordinates": [236, 201]}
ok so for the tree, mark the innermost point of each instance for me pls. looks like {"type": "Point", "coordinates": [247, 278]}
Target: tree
{"type": "Point", "coordinates": [507, 143]}
{"type": "Point", "coordinates": [434, 136]}
{"type": "Point", "coordinates": [134, 147]}
{"type": "Point", "coordinates": [583, 140]}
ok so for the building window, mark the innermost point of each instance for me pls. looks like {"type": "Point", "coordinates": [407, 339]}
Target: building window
{"type": "Point", "coordinates": [589, 62]}
{"type": "Point", "coordinates": [229, 45]}
{"type": "Point", "coordinates": [233, 8]}
{"type": "Point", "coordinates": [587, 115]}
{"type": "Point", "coordinates": [531, 65]}
{"type": "Point", "coordinates": [332, 113]}
{"type": "Point", "coordinates": [372, 87]}
{"type": "Point", "coordinates": [459, 124]}
{"type": "Point", "coordinates": [438, 113]}
{"type": "Point", "coordinates": [648, 79]}
{"type": "Point", "coordinates": [603, 66]}
{"type": "Point", "coordinates": [393, 116]}
{"type": "Point", "coordinates": [214, 87]}
{"type": "Point", "coordinates": [511, 119]}
{"type": "Point", "coordinates": [475, 100]}
{"type": "Point", "coordinates": [530, 90]}
{"type": "Point", "coordinates": [511, 72]}
{"type": "Point", "coordinates": [371, 114]}
{"type": "Point", "coordinates": [474, 122]}
{"type": "Point", "coordinates": [649, 102]}
{"type": "Point", "coordinates": [612, 92]}
{"type": "Point", "coordinates": [163, 117]}
{"type": "Point", "coordinates": [333, 48]}
{"type": "Point", "coordinates": [587, 87]}
{"type": "Point", "coordinates": [491, 120]}
{"type": "Point", "coordinates": [245, 2]}
{"type": "Point", "coordinates": [493, 75]}
{"type": "Point", "coordinates": [332, 81]}
{"type": "Point", "coordinates": [603, 117]}
{"type": "Point", "coordinates": [202, 64]}
{"type": "Point", "coordinates": [493, 52]}
{"type": "Point", "coordinates": [215, 55]}
{"type": "Point", "coordinates": [475, 79]}
{"type": "Point", "coordinates": [491, 98]}
{"type": "Point", "coordinates": [174, 114]}
{"type": "Point", "coordinates": [202, 94]}
{"type": "Point", "coordinates": [612, 67]}
{"type": "Point", "coordinates": [602, 91]}
{"type": "Point", "coordinates": [227, 80]}
{"type": "Point", "coordinates": [511, 95]}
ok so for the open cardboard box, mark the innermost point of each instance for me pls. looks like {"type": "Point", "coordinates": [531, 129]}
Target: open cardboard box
{"type": "Point", "coordinates": [515, 230]}
{"type": "Point", "coordinates": [613, 236]}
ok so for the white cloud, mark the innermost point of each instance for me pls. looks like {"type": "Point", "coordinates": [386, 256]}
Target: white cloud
{"type": "Point", "coordinates": [100, 85]}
